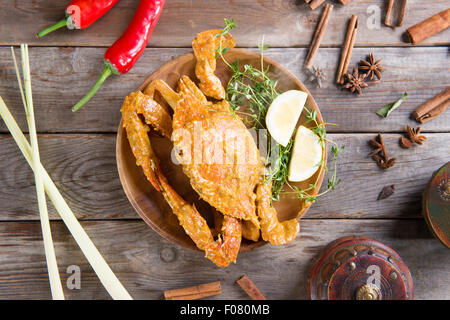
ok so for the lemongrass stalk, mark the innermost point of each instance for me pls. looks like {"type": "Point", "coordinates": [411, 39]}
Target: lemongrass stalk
{"type": "Point", "coordinates": [52, 265]}
{"type": "Point", "coordinates": [18, 78]}
{"type": "Point", "coordinates": [101, 268]}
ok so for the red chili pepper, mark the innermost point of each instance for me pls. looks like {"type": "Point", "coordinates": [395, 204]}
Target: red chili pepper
{"type": "Point", "coordinates": [81, 14]}
{"type": "Point", "coordinates": [123, 54]}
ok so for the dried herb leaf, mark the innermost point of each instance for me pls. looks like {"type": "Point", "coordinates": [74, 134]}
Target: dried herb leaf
{"type": "Point", "coordinates": [387, 109]}
{"type": "Point", "coordinates": [386, 192]}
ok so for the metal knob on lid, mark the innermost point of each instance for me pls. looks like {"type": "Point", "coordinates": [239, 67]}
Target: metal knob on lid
{"type": "Point", "coordinates": [368, 291]}
{"type": "Point", "coordinates": [436, 204]}
{"type": "Point", "coordinates": [359, 268]}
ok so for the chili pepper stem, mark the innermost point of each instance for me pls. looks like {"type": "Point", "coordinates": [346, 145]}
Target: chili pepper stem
{"type": "Point", "coordinates": [107, 71]}
{"type": "Point", "coordinates": [53, 27]}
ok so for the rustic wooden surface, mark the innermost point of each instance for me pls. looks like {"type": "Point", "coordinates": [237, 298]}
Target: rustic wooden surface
{"type": "Point", "coordinates": [65, 74]}
{"type": "Point", "coordinates": [78, 149]}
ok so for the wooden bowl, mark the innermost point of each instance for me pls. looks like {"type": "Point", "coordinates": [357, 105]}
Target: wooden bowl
{"type": "Point", "coordinates": [149, 203]}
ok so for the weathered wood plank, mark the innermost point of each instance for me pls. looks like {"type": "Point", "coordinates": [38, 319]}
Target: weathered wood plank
{"type": "Point", "coordinates": [61, 76]}
{"type": "Point", "coordinates": [84, 169]}
{"type": "Point", "coordinates": [362, 179]}
{"type": "Point", "coordinates": [147, 264]}
{"type": "Point", "coordinates": [284, 23]}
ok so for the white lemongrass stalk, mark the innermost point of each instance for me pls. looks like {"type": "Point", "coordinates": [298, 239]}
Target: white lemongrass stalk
{"type": "Point", "coordinates": [101, 268]}
{"type": "Point", "coordinates": [52, 265]}
{"type": "Point", "coordinates": [18, 79]}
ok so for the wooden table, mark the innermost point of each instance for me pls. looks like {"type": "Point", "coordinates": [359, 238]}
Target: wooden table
{"type": "Point", "coordinates": [78, 149]}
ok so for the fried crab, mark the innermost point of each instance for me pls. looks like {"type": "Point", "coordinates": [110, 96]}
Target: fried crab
{"type": "Point", "coordinates": [226, 170]}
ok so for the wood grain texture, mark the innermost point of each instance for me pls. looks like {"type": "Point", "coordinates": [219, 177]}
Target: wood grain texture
{"type": "Point", "coordinates": [81, 159]}
{"type": "Point", "coordinates": [147, 265]}
{"type": "Point", "coordinates": [285, 23]}
{"type": "Point", "coordinates": [84, 169]}
{"type": "Point", "coordinates": [66, 74]}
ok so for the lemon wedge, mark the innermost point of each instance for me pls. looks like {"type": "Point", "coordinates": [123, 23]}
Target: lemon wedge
{"type": "Point", "coordinates": [283, 114]}
{"type": "Point", "coordinates": [306, 155]}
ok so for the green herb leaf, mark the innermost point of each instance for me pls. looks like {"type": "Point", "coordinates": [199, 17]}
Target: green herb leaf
{"type": "Point", "coordinates": [387, 109]}
{"type": "Point", "coordinates": [263, 47]}
{"type": "Point", "coordinates": [252, 87]}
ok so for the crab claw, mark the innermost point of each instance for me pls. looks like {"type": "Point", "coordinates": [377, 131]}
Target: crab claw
{"type": "Point", "coordinates": [137, 133]}
{"type": "Point", "coordinates": [193, 224]}
{"type": "Point", "coordinates": [205, 47]}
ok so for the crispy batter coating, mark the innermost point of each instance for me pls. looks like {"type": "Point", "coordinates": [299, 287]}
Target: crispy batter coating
{"type": "Point", "coordinates": [225, 249]}
{"type": "Point", "coordinates": [272, 230]}
{"type": "Point", "coordinates": [187, 86]}
{"type": "Point", "coordinates": [137, 134]}
{"type": "Point", "coordinates": [205, 47]}
{"type": "Point", "coordinates": [232, 236]}
{"type": "Point", "coordinates": [154, 115]}
{"type": "Point", "coordinates": [224, 167]}
{"type": "Point", "coordinates": [169, 95]}
{"type": "Point", "coordinates": [250, 231]}
{"type": "Point", "coordinates": [217, 153]}
{"type": "Point", "coordinates": [195, 225]}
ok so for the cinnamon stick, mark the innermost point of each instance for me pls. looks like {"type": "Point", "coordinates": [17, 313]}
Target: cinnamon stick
{"type": "Point", "coordinates": [314, 4]}
{"type": "Point", "coordinates": [429, 27]}
{"type": "Point", "coordinates": [433, 107]}
{"type": "Point", "coordinates": [249, 287]}
{"type": "Point", "coordinates": [195, 292]}
{"type": "Point", "coordinates": [400, 8]}
{"type": "Point", "coordinates": [318, 35]}
{"type": "Point", "coordinates": [345, 2]}
{"type": "Point", "coordinates": [347, 49]}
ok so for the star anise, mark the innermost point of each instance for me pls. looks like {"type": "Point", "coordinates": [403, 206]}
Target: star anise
{"type": "Point", "coordinates": [354, 81]}
{"type": "Point", "coordinates": [317, 76]}
{"type": "Point", "coordinates": [379, 154]}
{"type": "Point", "coordinates": [415, 136]}
{"type": "Point", "coordinates": [405, 142]}
{"type": "Point", "coordinates": [371, 67]}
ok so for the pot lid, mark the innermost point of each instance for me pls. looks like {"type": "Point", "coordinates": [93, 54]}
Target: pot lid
{"type": "Point", "coordinates": [359, 268]}
{"type": "Point", "coordinates": [436, 204]}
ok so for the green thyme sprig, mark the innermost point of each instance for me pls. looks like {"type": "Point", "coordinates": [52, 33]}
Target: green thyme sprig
{"type": "Point", "coordinates": [229, 25]}
{"type": "Point", "coordinates": [253, 88]}
{"type": "Point", "coordinates": [279, 176]}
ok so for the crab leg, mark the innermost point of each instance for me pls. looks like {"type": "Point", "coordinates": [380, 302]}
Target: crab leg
{"type": "Point", "coordinates": [154, 115]}
{"type": "Point", "coordinates": [250, 231]}
{"type": "Point", "coordinates": [169, 95]}
{"type": "Point", "coordinates": [231, 236]}
{"type": "Point", "coordinates": [205, 46]}
{"type": "Point", "coordinates": [277, 233]}
{"type": "Point", "coordinates": [196, 227]}
{"type": "Point", "coordinates": [137, 134]}
{"type": "Point", "coordinates": [187, 86]}
{"type": "Point", "coordinates": [221, 252]}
